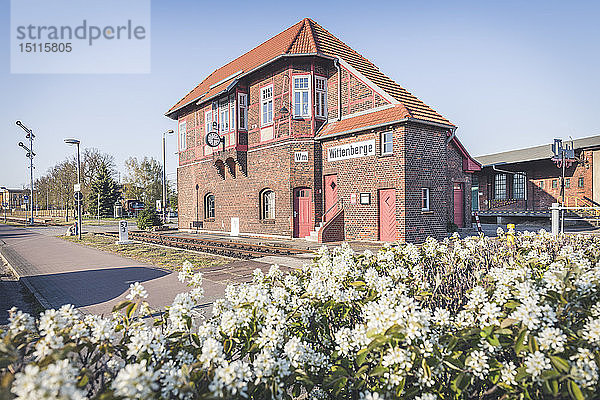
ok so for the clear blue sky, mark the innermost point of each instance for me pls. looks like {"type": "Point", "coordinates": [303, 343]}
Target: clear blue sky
{"type": "Point", "coordinates": [509, 74]}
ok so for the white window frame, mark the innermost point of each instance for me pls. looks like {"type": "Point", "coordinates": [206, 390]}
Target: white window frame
{"type": "Point", "coordinates": [384, 142]}
{"type": "Point", "coordinates": [321, 97]}
{"type": "Point", "coordinates": [209, 209]}
{"type": "Point", "coordinates": [304, 106]}
{"type": "Point", "coordinates": [243, 110]}
{"type": "Point", "coordinates": [208, 120]}
{"type": "Point", "coordinates": [182, 135]}
{"type": "Point", "coordinates": [267, 204]}
{"type": "Point", "coordinates": [425, 198]}
{"type": "Point", "coordinates": [266, 105]}
{"type": "Point", "coordinates": [232, 113]}
{"type": "Point", "coordinates": [224, 116]}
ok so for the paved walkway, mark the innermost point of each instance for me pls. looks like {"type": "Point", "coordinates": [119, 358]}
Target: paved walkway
{"type": "Point", "coordinates": [61, 272]}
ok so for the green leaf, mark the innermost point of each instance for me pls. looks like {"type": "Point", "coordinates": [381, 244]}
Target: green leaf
{"type": "Point", "coordinates": [361, 371]}
{"type": "Point", "coordinates": [357, 283]}
{"type": "Point", "coordinates": [574, 391]}
{"type": "Point", "coordinates": [550, 374]}
{"type": "Point", "coordinates": [378, 371]}
{"type": "Point", "coordinates": [533, 344]}
{"type": "Point", "coordinates": [130, 310]}
{"type": "Point", "coordinates": [560, 364]}
{"type": "Point", "coordinates": [361, 356]}
{"type": "Point", "coordinates": [121, 305]}
{"type": "Point", "coordinates": [83, 381]}
{"type": "Point", "coordinates": [519, 346]}
{"type": "Point", "coordinates": [506, 322]}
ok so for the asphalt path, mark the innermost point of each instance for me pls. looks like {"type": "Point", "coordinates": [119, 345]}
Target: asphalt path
{"type": "Point", "coordinates": [61, 272]}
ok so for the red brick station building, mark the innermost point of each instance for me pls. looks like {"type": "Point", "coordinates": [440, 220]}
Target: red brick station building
{"type": "Point", "coordinates": [319, 144]}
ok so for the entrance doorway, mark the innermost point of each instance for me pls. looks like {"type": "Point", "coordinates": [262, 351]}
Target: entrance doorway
{"type": "Point", "coordinates": [331, 196]}
{"type": "Point", "coordinates": [459, 207]}
{"type": "Point", "coordinates": [387, 215]}
{"type": "Point", "coordinates": [303, 220]}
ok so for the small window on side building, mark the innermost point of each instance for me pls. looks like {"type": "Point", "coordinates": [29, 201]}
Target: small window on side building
{"type": "Point", "coordinates": [209, 206]}
{"type": "Point", "coordinates": [500, 187]}
{"type": "Point", "coordinates": [182, 136]}
{"type": "Point", "coordinates": [387, 143]}
{"type": "Point", "coordinates": [554, 184]}
{"type": "Point", "coordinates": [567, 182]}
{"type": "Point", "coordinates": [425, 199]}
{"type": "Point", "coordinates": [580, 182]}
{"type": "Point", "coordinates": [267, 204]}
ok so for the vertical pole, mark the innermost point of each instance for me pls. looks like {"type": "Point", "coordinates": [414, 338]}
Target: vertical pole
{"type": "Point", "coordinates": [98, 216]}
{"type": "Point", "coordinates": [562, 219]}
{"type": "Point", "coordinates": [31, 174]}
{"type": "Point", "coordinates": [78, 201]}
{"type": "Point", "coordinates": [164, 179]}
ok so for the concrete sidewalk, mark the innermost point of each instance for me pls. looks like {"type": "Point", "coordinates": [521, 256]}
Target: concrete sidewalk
{"type": "Point", "coordinates": [61, 272]}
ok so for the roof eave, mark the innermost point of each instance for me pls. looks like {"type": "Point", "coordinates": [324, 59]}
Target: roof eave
{"type": "Point", "coordinates": [170, 113]}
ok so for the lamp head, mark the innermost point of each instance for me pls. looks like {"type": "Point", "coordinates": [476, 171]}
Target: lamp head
{"type": "Point", "coordinates": [21, 144]}
{"type": "Point", "coordinates": [72, 141]}
{"type": "Point", "coordinates": [170, 131]}
{"type": "Point", "coordinates": [19, 123]}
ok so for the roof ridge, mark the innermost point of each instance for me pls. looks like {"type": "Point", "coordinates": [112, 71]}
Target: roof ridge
{"type": "Point", "coordinates": [311, 37]}
{"type": "Point", "coordinates": [357, 54]}
{"type": "Point", "coordinates": [301, 25]}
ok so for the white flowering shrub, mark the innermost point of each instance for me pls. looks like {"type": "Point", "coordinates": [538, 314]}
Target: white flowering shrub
{"type": "Point", "coordinates": [516, 317]}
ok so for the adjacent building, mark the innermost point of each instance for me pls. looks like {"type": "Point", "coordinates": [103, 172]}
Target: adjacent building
{"type": "Point", "coordinates": [525, 182]}
{"type": "Point", "coordinates": [317, 143]}
{"type": "Point", "coordinates": [13, 198]}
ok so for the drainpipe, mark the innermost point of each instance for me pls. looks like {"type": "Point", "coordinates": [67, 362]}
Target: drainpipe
{"type": "Point", "coordinates": [336, 62]}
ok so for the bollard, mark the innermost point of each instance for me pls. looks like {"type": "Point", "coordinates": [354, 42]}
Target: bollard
{"type": "Point", "coordinates": [510, 234]}
{"type": "Point", "coordinates": [555, 218]}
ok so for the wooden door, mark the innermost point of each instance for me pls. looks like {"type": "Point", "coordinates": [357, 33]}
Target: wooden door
{"type": "Point", "coordinates": [387, 215]}
{"type": "Point", "coordinates": [459, 209]}
{"type": "Point", "coordinates": [303, 221]}
{"type": "Point", "coordinates": [331, 196]}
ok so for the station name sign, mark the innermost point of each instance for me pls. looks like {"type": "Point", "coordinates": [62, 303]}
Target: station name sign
{"type": "Point", "coordinates": [351, 150]}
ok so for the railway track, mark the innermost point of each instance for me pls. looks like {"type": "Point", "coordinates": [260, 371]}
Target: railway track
{"type": "Point", "coordinates": [224, 248]}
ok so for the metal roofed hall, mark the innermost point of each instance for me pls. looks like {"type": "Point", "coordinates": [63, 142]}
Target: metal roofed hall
{"type": "Point", "coordinates": [534, 153]}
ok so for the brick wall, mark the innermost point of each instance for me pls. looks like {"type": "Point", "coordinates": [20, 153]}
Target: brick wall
{"type": "Point", "coordinates": [538, 197]}
{"type": "Point", "coordinates": [368, 175]}
{"type": "Point", "coordinates": [357, 96]}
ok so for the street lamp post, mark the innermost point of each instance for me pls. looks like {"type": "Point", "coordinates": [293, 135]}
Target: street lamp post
{"type": "Point", "coordinates": [78, 199]}
{"type": "Point", "coordinates": [164, 177]}
{"type": "Point", "coordinates": [30, 155]}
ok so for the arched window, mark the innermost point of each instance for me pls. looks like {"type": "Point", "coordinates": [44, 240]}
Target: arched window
{"type": "Point", "coordinates": [209, 206]}
{"type": "Point", "coordinates": [267, 204]}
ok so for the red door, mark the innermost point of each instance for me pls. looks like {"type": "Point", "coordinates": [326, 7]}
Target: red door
{"type": "Point", "coordinates": [331, 196]}
{"type": "Point", "coordinates": [303, 221]}
{"type": "Point", "coordinates": [459, 209]}
{"type": "Point", "coordinates": [387, 215]}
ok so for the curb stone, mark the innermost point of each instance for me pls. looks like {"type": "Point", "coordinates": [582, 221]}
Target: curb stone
{"type": "Point", "coordinates": [38, 296]}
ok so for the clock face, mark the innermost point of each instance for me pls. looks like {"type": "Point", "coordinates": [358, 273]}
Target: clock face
{"type": "Point", "coordinates": [213, 139]}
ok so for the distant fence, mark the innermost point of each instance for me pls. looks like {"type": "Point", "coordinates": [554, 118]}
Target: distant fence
{"type": "Point", "coordinates": [560, 214]}
{"type": "Point", "coordinates": [39, 213]}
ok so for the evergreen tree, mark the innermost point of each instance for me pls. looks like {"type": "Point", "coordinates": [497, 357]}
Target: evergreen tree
{"type": "Point", "coordinates": [104, 184]}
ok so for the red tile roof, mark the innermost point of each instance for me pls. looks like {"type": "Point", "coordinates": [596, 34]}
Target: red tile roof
{"type": "Point", "coordinates": [372, 119]}
{"type": "Point", "coordinates": [308, 37]}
